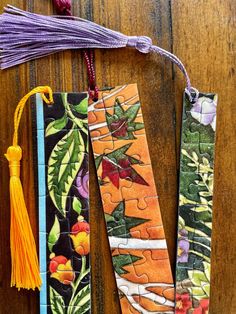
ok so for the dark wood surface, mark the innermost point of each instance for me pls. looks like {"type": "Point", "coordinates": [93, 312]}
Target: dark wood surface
{"type": "Point", "coordinates": [202, 34]}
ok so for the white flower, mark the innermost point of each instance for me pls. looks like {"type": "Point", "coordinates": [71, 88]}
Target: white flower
{"type": "Point", "coordinates": [204, 111]}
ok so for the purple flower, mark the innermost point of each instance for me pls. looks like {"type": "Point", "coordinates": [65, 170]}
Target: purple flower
{"type": "Point", "coordinates": [82, 183]}
{"type": "Point", "coordinates": [204, 111]}
{"type": "Point", "coordinates": [183, 248]}
{"type": "Point", "coordinates": [183, 233]}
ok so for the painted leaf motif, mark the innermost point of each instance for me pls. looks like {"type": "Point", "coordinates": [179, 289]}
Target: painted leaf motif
{"type": "Point", "coordinates": [54, 234]}
{"type": "Point", "coordinates": [207, 268]}
{"type": "Point", "coordinates": [81, 302]}
{"type": "Point", "coordinates": [63, 165]}
{"type": "Point", "coordinates": [118, 165]}
{"type": "Point", "coordinates": [206, 288]}
{"type": "Point", "coordinates": [56, 126]}
{"type": "Point", "coordinates": [98, 161]}
{"type": "Point", "coordinates": [69, 110]}
{"type": "Point", "coordinates": [120, 225]}
{"type": "Point", "coordinates": [57, 302]}
{"type": "Point", "coordinates": [198, 292]}
{"type": "Point", "coordinates": [121, 123]}
{"type": "Point", "coordinates": [77, 206]}
{"type": "Point", "coordinates": [197, 277]}
{"type": "Point", "coordinates": [122, 260]}
{"type": "Point", "coordinates": [82, 107]}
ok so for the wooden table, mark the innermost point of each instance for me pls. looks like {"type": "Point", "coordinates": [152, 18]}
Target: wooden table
{"type": "Point", "coordinates": [202, 34]}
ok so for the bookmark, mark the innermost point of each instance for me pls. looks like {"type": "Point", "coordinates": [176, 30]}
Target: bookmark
{"type": "Point", "coordinates": [130, 202]}
{"type": "Point", "coordinates": [62, 143]}
{"type": "Point", "coordinates": [195, 205]}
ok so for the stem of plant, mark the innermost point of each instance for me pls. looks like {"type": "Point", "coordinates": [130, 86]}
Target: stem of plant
{"type": "Point", "coordinates": [75, 286]}
{"type": "Point", "coordinates": [73, 117]}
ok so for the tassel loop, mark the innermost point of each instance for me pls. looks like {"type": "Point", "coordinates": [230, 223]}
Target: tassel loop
{"type": "Point", "coordinates": [20, 107]}
{"type": "Point", "coordinates": [25, 266]}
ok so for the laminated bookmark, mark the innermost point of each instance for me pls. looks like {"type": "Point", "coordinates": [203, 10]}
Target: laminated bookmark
{"type": "Point", "coordinates": [62, 143]}
{"type": "Point", "coordinates": [195, 204]}
{"type": "Point", "coordinates": [130, 202]}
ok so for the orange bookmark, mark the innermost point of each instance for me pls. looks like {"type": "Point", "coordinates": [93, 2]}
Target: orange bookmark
{"type": "Point", "coordinates": [130, 202]}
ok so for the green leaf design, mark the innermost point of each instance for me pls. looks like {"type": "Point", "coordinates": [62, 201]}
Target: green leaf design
{"type": "Point", "coordinates": [120, 225]}
{"type": "Point", "coordinates": [77, 206]}
{"type": "Point", "coordinates": [197, 277]}
{"type": "Point", "coordinates": [207, 269]}
{"type": "Point", "coordinates": [187, 213]}
{"type": "Point", "coordinates": [98, 161]}
{"type": "Point", "coordinates": [63, 165]}
{"type": "Point", "coordinates": [122, 260]}
{"type": "Point", "coordinates": [82, 107]}
{"type": "Point", "coordinates": [198, 292]}
{"type": "Point", "coordinates": [201, 281]}
{"type": "Point", "coordinates": [132, 112]}
{"type": "Point", "coordinates": [81, 302]}
{"type": "Point", "coordinates": [54, 234]}
{"type": "Point", "coordinates": [121, 123]}
{"type": "Point", "coordinates": [70, 109]}
{"type": "Point", "coordinates": [57, 302]}
{"type": "Point", "coordinates": [56, 126]}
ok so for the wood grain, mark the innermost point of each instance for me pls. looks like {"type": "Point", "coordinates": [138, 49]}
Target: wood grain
{"type": "Point", "coordinates": [202, 33]}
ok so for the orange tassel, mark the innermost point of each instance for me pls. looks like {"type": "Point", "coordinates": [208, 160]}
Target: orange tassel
{"type": "Point", "coordinates": [25, 266]}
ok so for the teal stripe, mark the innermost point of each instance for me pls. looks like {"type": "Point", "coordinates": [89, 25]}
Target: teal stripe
{"type": "Point", "coordinates": [42, 204]}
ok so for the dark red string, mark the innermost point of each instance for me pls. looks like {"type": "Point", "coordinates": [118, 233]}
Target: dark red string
{"type": "Point", "coordinates": [89, 60]}
{"type": "Point", "coordinates": [63, 7]}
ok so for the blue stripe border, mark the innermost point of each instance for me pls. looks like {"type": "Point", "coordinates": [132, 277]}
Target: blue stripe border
{"type": "Point", "coordinates": [42, 203]}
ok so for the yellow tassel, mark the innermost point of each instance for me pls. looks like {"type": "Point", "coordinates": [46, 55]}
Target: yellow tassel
{"type": "Point", "coordinates": [25, 265]}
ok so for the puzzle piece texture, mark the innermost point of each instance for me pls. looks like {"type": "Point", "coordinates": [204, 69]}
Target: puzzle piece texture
{"type": "Point", "coordinates": [130, 202]}
{"type": "Point", "coordinates": [62, 144]}
{"type": "Point", "coordinates": [195, 204]}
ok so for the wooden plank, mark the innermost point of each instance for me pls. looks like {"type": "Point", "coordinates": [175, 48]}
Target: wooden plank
{"type": "Point", "coordinates": [202, 34]}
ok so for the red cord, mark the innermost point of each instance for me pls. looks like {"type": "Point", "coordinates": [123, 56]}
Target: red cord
{"type": "Point", "coordinates": [63, 7]}
{"type": "Point", "coordinates": [89, 60]}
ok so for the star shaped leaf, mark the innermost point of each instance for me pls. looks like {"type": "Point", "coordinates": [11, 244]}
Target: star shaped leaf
{"type": "Point", "coordinates": [119, 225]}
{"type": "Point", "coordinates": [122, 260]}
{"type": "Point", "coordinates": [122, 123]}
{"type": "Point", "coordinates": [118, 165]}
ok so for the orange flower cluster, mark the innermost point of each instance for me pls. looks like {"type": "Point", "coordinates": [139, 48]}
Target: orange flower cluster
{"type": "Point", "coordinates": [80, 236]}
{"type": "Point", "coordinates": [60, 267]}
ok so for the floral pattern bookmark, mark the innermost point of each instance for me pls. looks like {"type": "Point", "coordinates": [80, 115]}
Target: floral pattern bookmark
{"type": "Point", "coordinates": [195, 205]}
{"type": "Point", "coordinates": [130, 202]}
{"type": "Point", "coordinates": [62, 142]}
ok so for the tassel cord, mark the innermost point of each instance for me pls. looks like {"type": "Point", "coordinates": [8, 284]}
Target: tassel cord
{"type": "Point", "coordinates": [63, 7]}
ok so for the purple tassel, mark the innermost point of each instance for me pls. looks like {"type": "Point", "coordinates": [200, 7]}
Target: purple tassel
{"type": "Point", "coordinates": [26, 36]}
